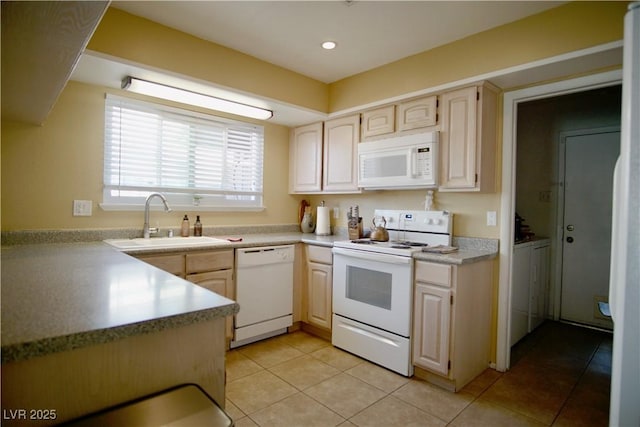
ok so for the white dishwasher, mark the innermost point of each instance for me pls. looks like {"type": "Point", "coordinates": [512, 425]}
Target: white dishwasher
{"type": "Point", "coordinates": [264, 291]}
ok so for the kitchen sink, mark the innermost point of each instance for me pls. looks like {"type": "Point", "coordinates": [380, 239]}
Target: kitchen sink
{"type": "Point", "coordinates": [164, 242]}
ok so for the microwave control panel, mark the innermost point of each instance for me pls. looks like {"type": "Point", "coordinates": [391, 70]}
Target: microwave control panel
{"type": "Point", "coordinates": [424, 160]}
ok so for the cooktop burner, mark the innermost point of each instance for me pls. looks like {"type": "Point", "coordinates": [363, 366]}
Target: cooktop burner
{"type": "Point", "coordinates": [409, 232]}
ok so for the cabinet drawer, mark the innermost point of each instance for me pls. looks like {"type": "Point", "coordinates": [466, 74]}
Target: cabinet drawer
{"type": "Point", "coordinates": [438, 274]}
{"type": "Point", "coordinates": [173, 264]}
{"type": "Point", "coordinates": [320, 254]}
{"type": "Point", "coordinates": [209, 261]}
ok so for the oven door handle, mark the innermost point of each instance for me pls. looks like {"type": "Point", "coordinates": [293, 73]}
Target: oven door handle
{"type": "Point", "coordinates": [373, 256]}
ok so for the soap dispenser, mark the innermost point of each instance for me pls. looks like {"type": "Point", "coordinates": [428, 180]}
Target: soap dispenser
{"type": "Point", "coordinates": [197, 227]}
{"type": "Point", "coordinates": [184, 231]}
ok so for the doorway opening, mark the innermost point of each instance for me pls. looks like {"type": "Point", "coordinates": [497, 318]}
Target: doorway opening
{"type": "Point", "coordinates": [539, 191]}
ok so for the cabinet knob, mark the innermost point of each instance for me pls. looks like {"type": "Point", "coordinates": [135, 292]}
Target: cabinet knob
{"type": "Point", "coordinates": [569, 239]}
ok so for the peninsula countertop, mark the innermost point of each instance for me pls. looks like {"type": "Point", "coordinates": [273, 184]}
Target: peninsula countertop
{"type": "Point", "coordinates": [58, 297]}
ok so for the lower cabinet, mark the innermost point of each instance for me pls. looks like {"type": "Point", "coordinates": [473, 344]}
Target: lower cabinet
{"type": "Point", "coordinates": [452, 322]}
{"type": "Point", "coordinates": [212, 270]}
{"type": "Point", "coordinates": [317, 301]}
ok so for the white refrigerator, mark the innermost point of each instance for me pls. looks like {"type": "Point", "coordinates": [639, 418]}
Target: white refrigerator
{"type": "Point", "coordinates": [624, 288]}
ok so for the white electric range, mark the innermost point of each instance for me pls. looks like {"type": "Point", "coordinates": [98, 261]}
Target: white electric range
{"type": "Point", "coordinates": [372, 286]}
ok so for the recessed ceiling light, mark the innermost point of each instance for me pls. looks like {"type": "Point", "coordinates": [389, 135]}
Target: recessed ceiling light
{"type": "Point", "coordinates": [329, 45]}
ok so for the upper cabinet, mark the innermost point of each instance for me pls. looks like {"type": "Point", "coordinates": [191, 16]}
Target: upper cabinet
{"type": "Point", "coordinates": [340, 160]}
{"type": "Point", "coordinates": [325, 161]}
{"type": "Point", "coordinates": [379, 121]}
{"type": "Point", "coordinates": [418, 113]}
{"type": "Point", "coordinates": [468, 133]}
{"type": "Point", "coordinates": [405, 116]}
{"type": "Point", "coordinates": [305, 159]}
{"type": "Point", "coordinates": [324, 156]}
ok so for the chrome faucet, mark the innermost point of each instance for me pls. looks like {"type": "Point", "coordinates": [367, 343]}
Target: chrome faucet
{"type": "Point", "coordinates": [146, 230]}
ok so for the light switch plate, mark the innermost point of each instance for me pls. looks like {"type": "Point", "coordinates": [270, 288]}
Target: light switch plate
{"type": "Point", "coordinates": [82, 207]}
{"type": "Point", "coordinates": [492, 220]}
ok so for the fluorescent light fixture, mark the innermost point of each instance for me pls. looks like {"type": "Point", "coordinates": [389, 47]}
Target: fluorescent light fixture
{"type": "Point", "coordinates": [184, 96]}
{"type": "Point", "coordinates": [329, 45]}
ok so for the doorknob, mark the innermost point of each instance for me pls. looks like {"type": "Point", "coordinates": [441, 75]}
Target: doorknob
{"type": "Point", "coordinates": [569, 227]}
{"type": "Point", "coordinates": [569, 239]}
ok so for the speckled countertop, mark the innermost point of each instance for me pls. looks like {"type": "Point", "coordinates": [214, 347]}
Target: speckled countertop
{"type": "Point", "coordinates": [61, 296]}
{"type": "Point", "coordinates": [58, 297]}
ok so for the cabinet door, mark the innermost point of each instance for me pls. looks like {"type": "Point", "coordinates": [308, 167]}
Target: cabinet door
{"type": "Point", "coordinates": [319, 287]}
{"type": "Point", "coordinates": [418, 113]}
{"type": "Point", "coordinates": [340, 168]}
{"type": "Point", "coordinates": [220, 282]}
{"type": "Point", "coordinates": [378, 122]}
{"type": "Point", "coordinates": [305, 159]}
{"type": "Point", "coordinates": [432, 320]}
{"type": "Point", "coordinates": [458, 139]}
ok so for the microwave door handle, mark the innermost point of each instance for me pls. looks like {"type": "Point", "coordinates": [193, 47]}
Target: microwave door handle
{"type": "Point", "coordinates": [414, 162]}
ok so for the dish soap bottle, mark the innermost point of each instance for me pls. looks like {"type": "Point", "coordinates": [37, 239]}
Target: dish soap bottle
{"type": "Point", "coordinates": [184, 231]}
{"type": "Point", "coordinates": [197, 227]}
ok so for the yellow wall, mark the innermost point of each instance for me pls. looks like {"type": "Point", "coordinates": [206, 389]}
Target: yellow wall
{"type": "Point", "coordinates": [140, 40]}
{"type": "Point", "coordinates": [564, 29]}
{"type": "Point", "coordinates": [44, 168]}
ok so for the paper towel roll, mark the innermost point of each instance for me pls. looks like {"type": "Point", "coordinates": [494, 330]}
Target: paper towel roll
{"type": "Point", "coordinates": [323, 223]}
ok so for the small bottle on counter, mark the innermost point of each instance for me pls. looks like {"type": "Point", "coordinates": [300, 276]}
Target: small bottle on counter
{"type": "Point", "coordinates": [197, 227]}
{"type": "Point", "coordinates": [184, 230]}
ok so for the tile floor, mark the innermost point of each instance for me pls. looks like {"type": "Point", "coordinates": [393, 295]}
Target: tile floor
{"type": "Point", "coordinates": [560, 376]}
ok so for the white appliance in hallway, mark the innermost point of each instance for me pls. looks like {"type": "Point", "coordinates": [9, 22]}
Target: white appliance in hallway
{"type": "Point", "coordinates": [264, 290]}
{"type": "Point", "coordinates": [624, 290]}
{"type": "Point", "coordinates": [373, 287]}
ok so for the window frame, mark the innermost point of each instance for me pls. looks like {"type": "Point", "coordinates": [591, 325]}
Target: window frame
{"type": "Point", "coordinates": [184, 198]}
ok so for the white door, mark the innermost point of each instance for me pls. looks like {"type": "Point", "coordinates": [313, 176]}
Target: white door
{"type": "Point", "coordinates": [586, 246]}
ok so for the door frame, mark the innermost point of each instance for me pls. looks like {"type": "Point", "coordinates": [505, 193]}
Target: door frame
{"type": "Point", "coordinates": [559, 234]}
{"type": "Point", "coordinates": [511, 99]}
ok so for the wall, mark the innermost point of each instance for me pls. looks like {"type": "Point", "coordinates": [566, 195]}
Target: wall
{"type": "Point", "coordinates": [574, 26]}
{"type": "Point", "coordinates": [140, 40]}
{"type": "Point", "coordinates": [539, 126]}
{"type": "Point", "coordinates": [469, 209]}
{"type": "Point", "coordinates": [46, 167]}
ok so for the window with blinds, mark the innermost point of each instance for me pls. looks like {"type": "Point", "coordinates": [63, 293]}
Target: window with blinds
{"type": "Point", "coordinates": [195, 160]}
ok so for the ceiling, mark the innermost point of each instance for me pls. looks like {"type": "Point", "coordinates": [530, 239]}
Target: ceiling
{"type": "Point", "coordinates": [43, 45]}
{"type": "Point", "coordinates": [368, 33]}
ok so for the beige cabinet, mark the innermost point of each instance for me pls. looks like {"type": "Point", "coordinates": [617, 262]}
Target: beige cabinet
{"type": "Point", "coordinates": [305, 159]}
{"type": "Point", "coordinates": [417, 113]}
{"type": "Point", "coordinates": [319, 285]}
{"type": "Point", "coordinates": [212, 270]}
{"type": "Point", "coordinates": [340, 155]}
{"type": "Point", "coordinates": [468, 134]}
{"type": "Point", "coordinates": [380, 121]}
{"type": "Point", "coordinates": [323, 158]}
{"type": "Point", "coordinates": [452, 322]}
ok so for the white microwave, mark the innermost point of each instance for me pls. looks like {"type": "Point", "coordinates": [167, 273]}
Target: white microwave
{"type": "Point", "coordinates": [401, 162]}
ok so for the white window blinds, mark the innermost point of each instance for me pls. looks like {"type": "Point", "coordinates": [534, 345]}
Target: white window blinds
{"type": "Point", "coordinates": [194, 159]}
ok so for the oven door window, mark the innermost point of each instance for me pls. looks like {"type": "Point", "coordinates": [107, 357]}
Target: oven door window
{"type": "Point", "coordinates": [369, 287]}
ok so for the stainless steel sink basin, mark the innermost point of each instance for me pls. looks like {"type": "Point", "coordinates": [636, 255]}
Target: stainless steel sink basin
{"type": "Point", "coordinates": [164, 242]}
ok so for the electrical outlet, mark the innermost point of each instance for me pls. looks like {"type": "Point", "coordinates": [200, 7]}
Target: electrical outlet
{"type": "Point", "coordinates": [336, 213]}
{"type": "Point", "coordinates": [492, 220]}
{"type": "Point", "coordinates": [82, 207]}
